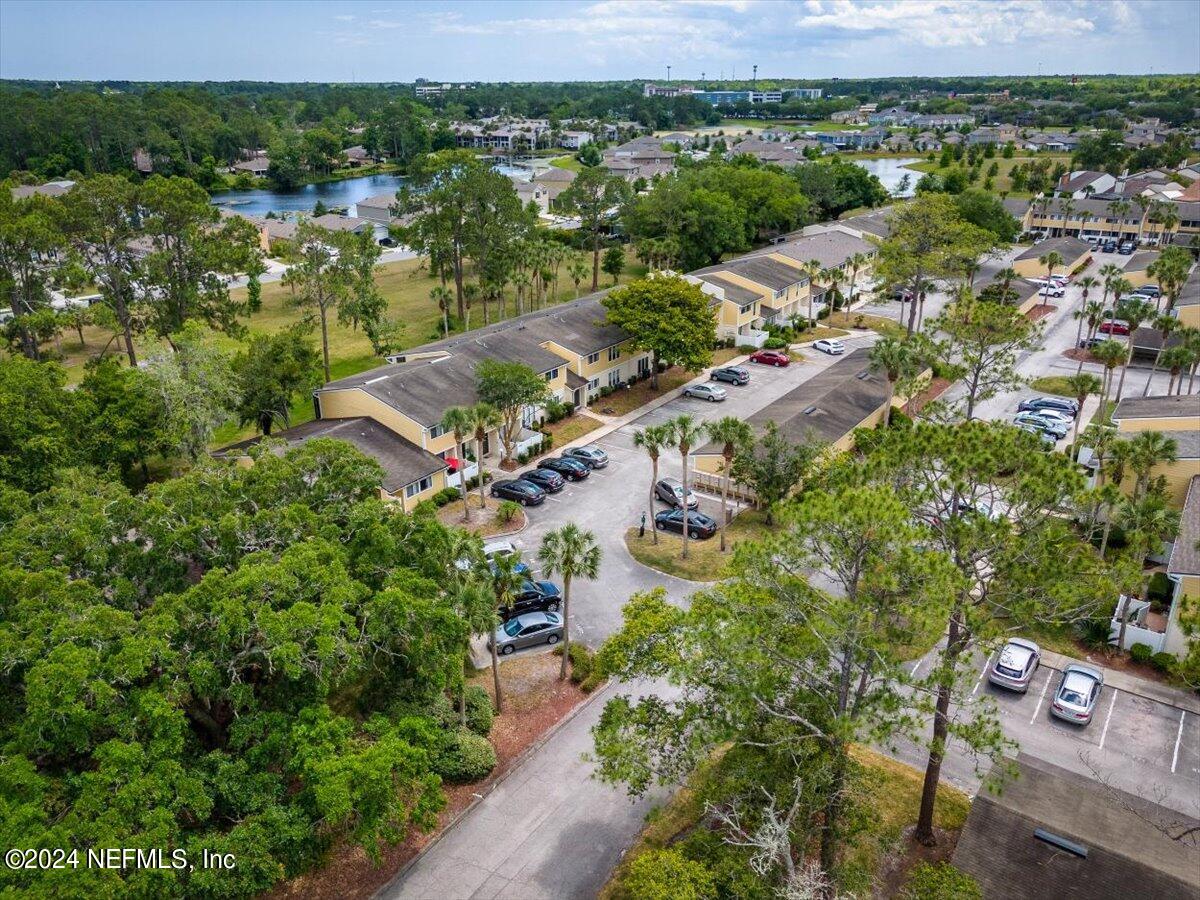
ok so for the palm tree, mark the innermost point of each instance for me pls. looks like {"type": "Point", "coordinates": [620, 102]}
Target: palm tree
{"type": "Point", "coordinates": [1051, 261]}
{"type": "Point", "coordinates": [831, 276]}
{"type": "Point", "coordinates": [685, 432]}
{"type": "Point", "coordinates": [1190, 338]}
{"type": "Point", "coordinates": [1175, 360]}
{"type": "Point", "coordinates": [442, 297]}
{"type": "Point", "coordinates": [1135, 312]}
{"type": "Point", "coordinates": [484, 418]}
{"type": "Point", "coordinates": [1110, 354]}
{"type": "Point", "coordinates": [577, 269]}
{"type": "Point", "coordinates": [470, 292]}
{"type": "Point", "coordinates": [1148, 449]}
{"type": "Point", "coordinates": [812, 269]}
{"type": "Point", "coordinates": [1109, 272]}
{"type": "Point", "coordinates": [507, 582]}
{"type": "Point", "coordinates": [1082, 384]}
{"type": "Point", "coordinates": [653, 440]}
{"type": "Point", "coordinates": [475, 603]}
{"type": "Point", "coordinates": [1146, 523]}
{"type": "Point", "coordinates": [1166, 326]}
{"type": "Point", "coordinates": [896, 359]}
{"type": "Point", "coordinates": [1084, 215]}
{"type": "Point", "coordinates": [461, 421]}
{"type": "Point", "coordinates": [856, 263]}
{"type": "Point", "coordinates": [1067, 206]}
{"type": "Point", "coordinates": [1107, 498]}
{"type": "Point", "coordinates": [572, 553]}
{"type": "Point", "coordinates": [732, 434]}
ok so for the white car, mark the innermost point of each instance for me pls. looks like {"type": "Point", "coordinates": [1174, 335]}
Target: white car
{"type": "Point", "coordinates": [710, 392]}
{"type": "Point", "coordinates": [830, 346]}
{"type": "Point", "coordinates": [1049, 288]}
{"type": "Point", "coordinates": [1016, 664]}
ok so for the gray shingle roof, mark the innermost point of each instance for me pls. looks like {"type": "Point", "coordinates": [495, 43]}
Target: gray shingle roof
{"type": "Point", "coordinates": [1190, 295]}
{"type": "Point", "coordinates": [1127, 856]}
{"type": "Point", "coordinates": [1069, 248]}
{"type": "Point", "coordinates": [828, 406]}
{"type": "Point", "coordinates": [403, 461]}
{"type": "Point", "coordinates": [1140, 260]}
{"type": "Point", "coordinates": [1160, 407]}
{"type": "Point", "coordinates": [1185, 557]}
{"type": "Point", "coordinates": [767, 272]}
{"type": "Point", "coordinates": [831, 248]}
{"type": "Point", "coordinates": [738, 293]}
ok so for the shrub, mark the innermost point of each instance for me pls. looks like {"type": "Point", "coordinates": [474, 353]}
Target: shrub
{"type": "Point", "coordinates": [479, 711]}
{"type": "Point", "coordinates": [523, 457]}
{"type": "Point", "coordinates": [746, 348]}
{"type": "Point", "coordinates": [941, 882]}
{"type": "Point", "coordinates": [464, 757]}
{"type": "Point", "coordinates": [1141, 653]}
{"type": "Point", "coordinates": [446, 496]}
{"type": "Point", "coordinates": [605, 391]}
{"type": "Point", "coordinates": [774, 343]}
{"type": "Point", "coordinates": [473, 481]}
{"type": "Point", "coordinates": [858, 322]}
{"type": "Point", "coordinates": [1160, 587]}
{"type": "Point", "coordinates": [1095, 632]}
{"type": "Point", "coordinates": [1164, 662]}
{"type": "Point", "coordinates": [507, 511]}
{"type": "Point", "coordinates": [823, 312]}
{"type": "Point", "coordinates": [668, 875]}
{"type": "Point", "coordinates": [584, 671]}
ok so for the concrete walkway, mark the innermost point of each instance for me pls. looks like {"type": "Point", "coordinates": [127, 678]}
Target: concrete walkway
{"type": "Point", "coordinates": [548, 829]}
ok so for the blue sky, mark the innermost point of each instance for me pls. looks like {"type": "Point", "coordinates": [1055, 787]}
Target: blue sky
{"type": "Point", "coordinates": [507, 40]}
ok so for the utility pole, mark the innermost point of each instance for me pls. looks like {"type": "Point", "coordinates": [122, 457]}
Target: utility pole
{"type": "Point", "coordinates": [668, 74]}
{"type": "Point", "coordinates": [754, 80]}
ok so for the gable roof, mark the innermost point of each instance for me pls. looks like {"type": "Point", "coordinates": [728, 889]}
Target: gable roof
{"type": "Point", "coordinates": [1185, 554]}
{"type": "Point", "coordinates": [1160, 407]}
{"type": "Point", "coordinates": [830, 248]}
{"type": "Point", "coordinates": [738, 293]}
{"type": "Point", "coordinates": [770, 273]}
{"type": "Point", "coordinates": [1070, 248]}
{"type": "Point", "coordinates": [403, 461]}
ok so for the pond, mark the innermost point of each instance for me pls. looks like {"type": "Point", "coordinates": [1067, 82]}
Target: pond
{"type": "Point", "coordinates": [891, 172]}
{"type": "Point", "coordinates": [332, 193]}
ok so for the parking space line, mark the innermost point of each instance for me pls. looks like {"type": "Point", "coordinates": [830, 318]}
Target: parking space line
{"type": "Point", "coordinates": [554, 500]}
{"type": "Point", "coordinates": [1108, 719]}
{"type": "Point", "coordinates": [1041, 697]}
{"type": "Point", "coordinates": [982, 672]}
{"type": "Point", "coordinates": [1178, 738]}
{"type": "Point", "coordinates": [913, 673]}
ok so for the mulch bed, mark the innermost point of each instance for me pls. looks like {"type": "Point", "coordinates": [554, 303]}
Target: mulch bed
{"type": "Point", "coordinates": [535, 701]}
{"type": "Point", "coordinates": [1078, 354]}
{"type": "Point", "coordinates": [895, 869]}
{"type": "Point", "coordinates": [936, 388]}
{"type": "Point", "coordinates": [1040, 312]}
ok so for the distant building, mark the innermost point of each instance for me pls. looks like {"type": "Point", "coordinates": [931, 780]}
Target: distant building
{"type": "Point", "coordinates": [804, 93]}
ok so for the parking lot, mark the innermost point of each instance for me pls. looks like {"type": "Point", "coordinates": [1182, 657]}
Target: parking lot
{"type": "Point", "coordinates": [1148, 746]}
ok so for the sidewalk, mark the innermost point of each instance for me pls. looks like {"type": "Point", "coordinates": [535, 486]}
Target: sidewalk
{"type": "Point", "coordinates": [1131, 684]}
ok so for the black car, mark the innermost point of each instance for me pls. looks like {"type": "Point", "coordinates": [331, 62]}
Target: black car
{"type": "Point", "coordinates": [730, 374]}
{"type": "Point", "coordinates": [1064, 405]}
{"type": "Point", "coordinates": [534, 596]}
{"type": "Point", "coordinates": [1108, 247]}
{"type": "Point", "coordinates": [1089, 343]}
{"type": "Point", "coordinates": [524, 492]}
{"type": "Point", "coordinates": [548, 481]}
{"type": "Point", "coordinates": [1126, 248]}
{"type": "Point", "coordinates": [567, 468]}
{"type": "Point", "coordinates": [698, 524]}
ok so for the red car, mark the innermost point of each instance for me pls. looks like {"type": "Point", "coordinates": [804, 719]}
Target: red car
{"type": "Point", "coordinates": [770, 357]}
{"type": "Point", "coordinates": [1114, 326]}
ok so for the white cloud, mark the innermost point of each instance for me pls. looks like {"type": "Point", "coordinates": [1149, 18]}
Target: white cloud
{"type": "Point", "coordinates": [345, 18]}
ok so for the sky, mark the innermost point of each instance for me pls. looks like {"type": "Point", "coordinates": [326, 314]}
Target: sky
{"type": "Point", "coordinates": [578, 40]}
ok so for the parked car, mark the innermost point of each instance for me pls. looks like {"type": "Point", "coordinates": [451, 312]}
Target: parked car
{"type": "Point", "coordinates": [901, 295]}
{"type": "Point", "coordinates": [534, 596]}
{"type": "Point", "coordinates": [590, 455]}
{"type": "Point", "coordinates": [1114, 326]}
{"type": "Point", "coordinates": [1037, 420]}
{"type": "Point", "coordinates": [670, 491]}
{"type": "Point", "coordinates": [1015, 665]}
{"type": "Point", "coordinates": [830, 346]}
{"type": "Point", "coordinates": [528, 630]}
{"type": "Point", "coordinates": [1054, 415]}
{"type": "Point", "coordinates": [1049, 288]}
{"type": "Point", "coordinates": [1109, 246]}
{"type": "Point", "coordinates": [1077, 694]}
{"type": "Point", "coordinates": [771, 358]}
{"type": "Point", "coordinates": [1049, 442]}
{"type": "Point", "coordinates": [567, 467]}
{"type": "Point", "coordinates": [1065, 405]}
{"type": "Point", "coordinates": [1089, 343]}
{"type": "Point", "coordinates": [710, 392]}
{"type": "Point", "coordinates": [524, 492]}
{"type": "Point", "coordinates": [698, 524]}
{"type": "Point", "coordinates": [1126, 248]}
{"type": "Point", "coordinates": [1153, 291]}
{"type": "Point", "coordinates": [549, 481]}
{"type": "Point", "coordinates": [731, 374]}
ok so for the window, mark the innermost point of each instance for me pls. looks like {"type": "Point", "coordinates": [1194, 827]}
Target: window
{"type": "Point", "coordinates": [416, 487]}
{"type": "Point", "coordinates": [552, 374]}
{"type": "Point", "coordinates": [614, 353]}
{"type": "Point", "coordinates": [745, 309]}
{"type": "Point", "coordinates": [614, 378]}
{"type": "Point", "coordinates": [593, 384]}
{"type": "Point", "coordinates": [436, 431]}
{"type": "Point", "coordinates": [593, 357]}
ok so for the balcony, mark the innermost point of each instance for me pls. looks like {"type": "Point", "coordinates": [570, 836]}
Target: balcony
{"type": "Point", "coordinates": [751, 337]}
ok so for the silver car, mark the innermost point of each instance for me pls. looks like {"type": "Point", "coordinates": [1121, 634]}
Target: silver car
{"type": "Point", "coordinates": [1077, 694]}
{"type": "Point", "coordinates": [670, 491]}
{"type": "Point", "coordinates": [709, 392]}
{"type": "Point", "coordinates": [590, 455]}
{"type": "Point", "coordinates": [528, 630]}
{"type": "Point", "coordinates": [1015, 665]}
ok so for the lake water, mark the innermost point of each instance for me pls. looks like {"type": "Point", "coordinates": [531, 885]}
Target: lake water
{"type": "Point", "coordinates": [332, 193]}
{"type": "Point", "coordinates": [890, 172]}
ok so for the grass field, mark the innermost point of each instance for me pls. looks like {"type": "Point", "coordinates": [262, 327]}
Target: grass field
{"type": "Point", "coordinates": [1002, 181]}
{"type": "Point", "coordinates": [1053, 384]}
{"type": "Point", "coordinates": [789, 125]}
{"type": "Point", "coordinates": [705, 560]}
{"type": "Point", "coordinates": [566, 162]}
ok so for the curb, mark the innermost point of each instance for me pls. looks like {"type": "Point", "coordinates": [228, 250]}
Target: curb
{"type": "Point", "coordinates": [521, 759]}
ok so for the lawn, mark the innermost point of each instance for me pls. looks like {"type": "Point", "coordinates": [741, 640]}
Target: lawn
{"type": "Point", "coordinates": [1002, 182]}
{"type": "Point", "coordinates": [566, 162]}
{"type": "Point", "coordinates": [572, 428]}
{"type": "Point", "coordinates": [881, 324]}
{"type": "Point", "coordinates": [705, 560]}
{"type": "Point", "coordinates": [1053, 384]}
{"type": "Point", "coordinates": [626, 400]}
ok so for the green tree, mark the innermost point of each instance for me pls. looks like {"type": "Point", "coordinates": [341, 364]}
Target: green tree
{"type": "Point", "coordinates": [653, 439]}
{"type": "Point", "coordinates": [507, 582]}
{"type": "Point", "coordinates": [270, 372]}
{"type": "Point", "coordinates": [703, 223]}
{"type": "Point", "coordinates": [460, 421]}
{"type": "Point", "coordinates": [985, 210]}
{"type": "Point", "coordinates": [29, 238]}
{"type": "Point", "coordinates": [593, 196]}
{"type": "Point", "coordinates": [40, 432]}
{"type": "Point", "coordinates": [484, 418]}
{"type": "Point", "coordinates": [667, 316]}
{"type": "Point", "coordinates": [734, 436]}
{"type": "Point", "coordinates": [898, 360]}
{"type": "Point", "coordinates": [614, 263]}
{"type": "Point", "coordinates": [509, 388]}
{"type": "Point", "coordinates": [569, 552]}
{"type": "Point", "coordinates": [126, 417]}
{"type": "Point", "coordinates": [773, 466]}
{"type": "Point", "coordinates": [1082, 384]}
{"type": "Point", "coordinates": [1135, 312]}
{"type": "Point", "coordinates": [686, 432]}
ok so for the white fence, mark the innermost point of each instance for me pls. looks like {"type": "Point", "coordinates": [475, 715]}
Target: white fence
{"type": "Point", "coordinates": [469, 471]}
{"type": "Point", "coordinates": [1135, 630]}
{"type": "Point", "coordinates": [715, 483]}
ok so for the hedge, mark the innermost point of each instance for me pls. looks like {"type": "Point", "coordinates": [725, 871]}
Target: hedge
{"type": "Point", "coordinates": [464, 757]}
{"type": "Point", "coordinates": [479, 711]}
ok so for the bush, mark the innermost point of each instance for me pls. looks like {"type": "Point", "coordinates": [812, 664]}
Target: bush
{"type": "Point", "coordinates": [746, 348]}
{"type": "Point", "coordinates": [464, 757]}
{"type": "Point", "coordinates": [1141, 653]}
{"type": "Point", "coordinates": [584, 671]}
{"type": "Point", "coordinates": [445, 496]}
{"type": "Point", "coordinates": [473, 481]}
{"type": "Point", "coordinates": [1160, 587]}
{"type": "Point", "coordinates": [941, 882]}
{"type": "Point", "coordinates": [774, 343]}
{"type": "Point", "coordinates": [523, 457]}
{"type": "Point", "coordinates": [1095, 632]}
{"type": "Point", "coordinates": [1164, 662]}
{"type": "Point", "coordinates": [858, 322]}
{"type": "Point", "coordinates": [479, 711]}
{"type": "Point", "coordinates": [507, 511]}
{"type": "Point", "coordinates": [823, 313]}
{"type": "Point", "coordinates": [556, 410]}
{"type": "Point", "coordinates": [668, 875]}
